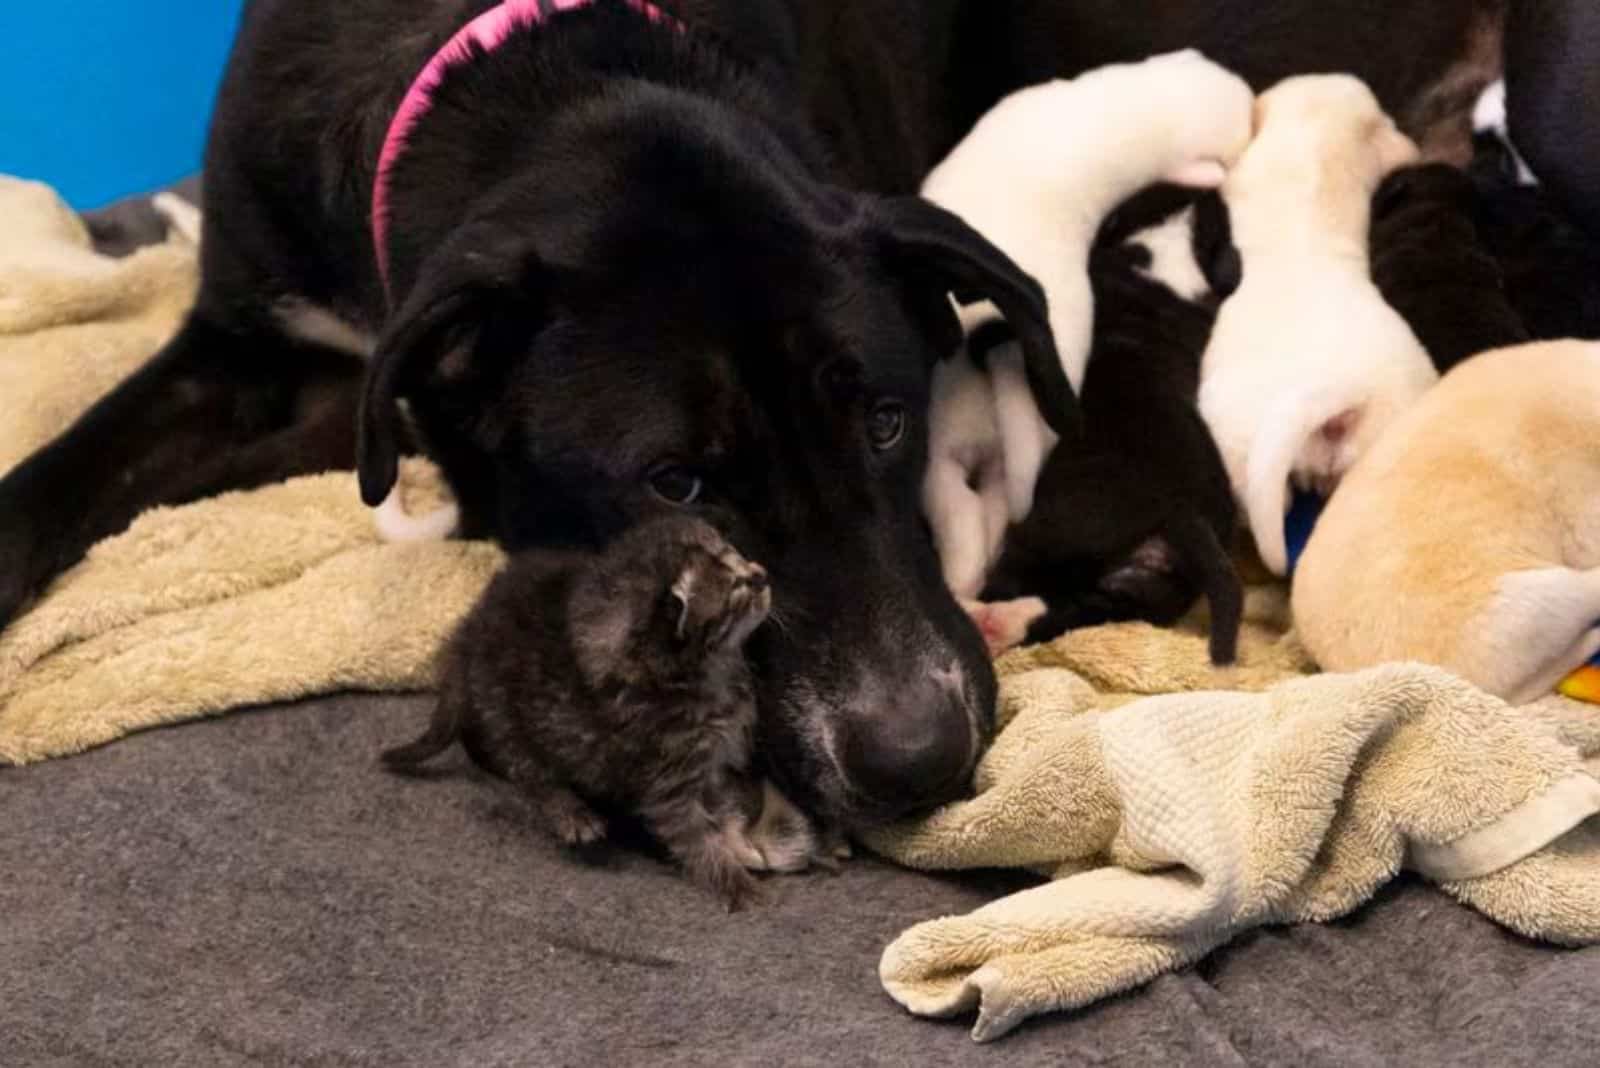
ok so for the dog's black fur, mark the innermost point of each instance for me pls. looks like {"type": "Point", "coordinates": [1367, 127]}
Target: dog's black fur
{"type": "Point", "coordinates": [1137, 521]}
{"type": "Point", "coordinates": [626, 256]}
{"type": "Point", "coordinates": [1432, 267]}
{"type": "Point", "coordinates": [1552, 61]}
{"type": "Point", "coordinates": [1551, 266]}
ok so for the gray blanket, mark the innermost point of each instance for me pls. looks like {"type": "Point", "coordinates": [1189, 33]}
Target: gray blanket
{"type": "Point", "coordinates": [255, 889]}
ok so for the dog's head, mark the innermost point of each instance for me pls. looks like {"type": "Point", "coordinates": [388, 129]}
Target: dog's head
{"type": "Point", "coordinates": [683, 322]}
{"type": "Point", "coordinates": [1334, 122]}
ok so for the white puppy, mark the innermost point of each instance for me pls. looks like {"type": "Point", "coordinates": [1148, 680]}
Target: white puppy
{"type": "Point", "coordinates": [1036, 176]}
{"type": "Point", "coordinates": [1307, 363]}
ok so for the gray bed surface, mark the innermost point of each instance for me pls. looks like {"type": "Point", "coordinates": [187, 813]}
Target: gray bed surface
{"type": "Point", "coordinates": [256, 890]}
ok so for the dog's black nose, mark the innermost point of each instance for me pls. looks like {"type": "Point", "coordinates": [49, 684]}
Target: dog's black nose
{"type": "Point", "coordinates": [917, 750]}
{"type": "Point", "coordinates": [758, 580]}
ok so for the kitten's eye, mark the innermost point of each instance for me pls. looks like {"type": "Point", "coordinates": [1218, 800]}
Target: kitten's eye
{"type": "Point", "coordinates": [886, 425]}
{"type": "Point", "coordinates": [676, 484]}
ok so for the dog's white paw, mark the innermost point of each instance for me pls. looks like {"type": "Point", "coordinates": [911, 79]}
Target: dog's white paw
{"type": "Point", "coordinates": [394, 524]}
{"type": "Point", "coordinates": [183, 218]}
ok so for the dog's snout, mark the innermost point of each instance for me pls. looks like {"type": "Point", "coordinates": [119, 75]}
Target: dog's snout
{"type": "Point", "coordinates": [917, 750]}
{"type": "Point", "coordinates": [757, 579]}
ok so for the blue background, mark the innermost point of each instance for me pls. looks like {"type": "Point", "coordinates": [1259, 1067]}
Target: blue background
{"type": "Point", "coordinates": [109, 97]}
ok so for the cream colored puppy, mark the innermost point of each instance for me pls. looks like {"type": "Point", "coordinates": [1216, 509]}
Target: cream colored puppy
{"type": "Point", "coordinates": [1036, 176]}
{"type": "Point", "coordinates": [1307, 364]}
{"type": "Point", "coordinates": [1469, 536]}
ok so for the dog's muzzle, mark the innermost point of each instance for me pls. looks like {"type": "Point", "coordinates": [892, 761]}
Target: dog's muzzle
{"type": "Point", "coordinates": [915, 747]}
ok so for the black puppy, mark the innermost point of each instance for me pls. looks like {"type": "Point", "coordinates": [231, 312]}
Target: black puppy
{"type": "Point", "coordinates": [1431, 265]}
{"type": "Point", "coordinates": [1135, 522]}
{"type": "Point", "coordinates": [1551, 266]}
{"type": "Point", "coordinates": [618, 679]}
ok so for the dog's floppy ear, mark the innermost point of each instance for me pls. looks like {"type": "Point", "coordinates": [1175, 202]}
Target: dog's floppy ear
{"type": "Point", "coordinates": [922, 238]}
{"type": "Point", "coordinates": [439, 319]}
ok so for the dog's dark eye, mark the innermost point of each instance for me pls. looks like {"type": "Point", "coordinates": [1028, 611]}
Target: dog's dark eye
{"type": "Point", "coordinates": [676, 484]}
{"type": "Point", "coordinates": [886, 424]}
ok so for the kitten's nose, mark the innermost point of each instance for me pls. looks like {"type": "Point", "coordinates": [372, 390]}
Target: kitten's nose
{"type": "Point", "coordinates": [757, 579]}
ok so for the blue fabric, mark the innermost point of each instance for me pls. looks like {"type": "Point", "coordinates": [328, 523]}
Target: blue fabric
{"type": "Point", "coordinates": [1297, 525]}
{"type": "Point", "coordinates": [109, 98]}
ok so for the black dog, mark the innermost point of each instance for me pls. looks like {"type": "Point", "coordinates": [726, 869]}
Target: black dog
{"type": "Point", "coordinates": [1433, 267]}
{"type": "Point", "coordinates": [1136, 521]}
{"type": "Point", "coordinates": [650, 299]}
{"type": "Point", "coordinates": [629, 275]}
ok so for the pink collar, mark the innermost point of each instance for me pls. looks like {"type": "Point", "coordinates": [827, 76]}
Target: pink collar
{"type": "Point", "coordinates": [486, 33]}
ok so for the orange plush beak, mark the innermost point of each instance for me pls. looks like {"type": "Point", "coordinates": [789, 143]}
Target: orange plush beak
{"type": "Point", "coordinates": [1583, 684]}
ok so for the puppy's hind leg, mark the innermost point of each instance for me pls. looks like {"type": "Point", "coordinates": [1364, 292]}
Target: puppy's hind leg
{"type": "Point", "coordinates": [1219, 580]}
{"type": "Point", "coordinates": [1025, 439]}
{"type": "Point", "coordinates": [1540, 625]}
{"type": "Point", "coordinates": [1303, 435]}
{"type": "Point", "coordinates": [955, 512]}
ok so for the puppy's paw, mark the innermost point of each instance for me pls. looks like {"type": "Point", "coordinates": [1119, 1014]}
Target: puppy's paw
{"type": "Point", "coordinates": [1004, 624]}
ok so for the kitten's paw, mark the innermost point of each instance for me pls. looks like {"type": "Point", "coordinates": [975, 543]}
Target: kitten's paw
{"type": "Point", "coordinates": [737, 836]}
{"type": "Point", "coordinates": [713, 866]}
{"type": "Point", "coordinates": [572, 820]}
{"type": "Point", "coordinates": [741, 891]}
{"type": "Point", "coordinates": [581, 829]}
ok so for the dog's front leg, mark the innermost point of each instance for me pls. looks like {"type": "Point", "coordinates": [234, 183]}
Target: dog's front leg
{"type": "Point", "coordinates": [215, 409]}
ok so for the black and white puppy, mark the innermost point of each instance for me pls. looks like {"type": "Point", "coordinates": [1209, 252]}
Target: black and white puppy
{"type": "Point", "coordinates": [1137, 522]}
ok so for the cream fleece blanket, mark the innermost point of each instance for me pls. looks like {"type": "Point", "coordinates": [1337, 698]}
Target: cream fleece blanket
{"type": "Point", "coordinates": [248, 598]}
{"type": "Point", "coordinates": [1168, 824]}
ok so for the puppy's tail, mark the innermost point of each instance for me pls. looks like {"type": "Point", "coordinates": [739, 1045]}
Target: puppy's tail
{"type": "Point", "coordinates": [1285, 434]}
{"type": "Point", "coordinates": [1195, 539]}
{"type": "Point", "coordinates": [442, 733]}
